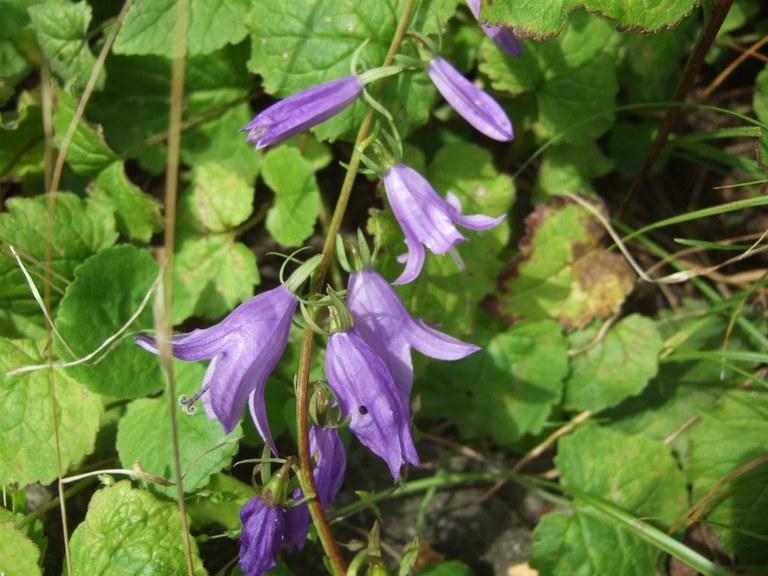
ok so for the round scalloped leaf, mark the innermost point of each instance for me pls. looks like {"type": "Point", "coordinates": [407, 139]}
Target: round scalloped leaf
{"type": "Point", "coordinates": [129, 532]}
{"type": "Point", "coordinates": [18, 554]}
{"type": "Point", "coordinates": [634, 473]}
{"type": "Point", "coordinates": [28, 449]}
{"type": "Point", "coordinates": [108, 289]}
{"type": "Point", "coordinates": [616, 367]}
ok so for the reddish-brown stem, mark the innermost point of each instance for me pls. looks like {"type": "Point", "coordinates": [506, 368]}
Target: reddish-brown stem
{"type": "Point", "coordinates": [302, 378]}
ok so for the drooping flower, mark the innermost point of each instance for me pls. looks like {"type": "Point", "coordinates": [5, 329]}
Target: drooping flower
{"type": "Point", "coordinates": [501, 35]}
{"type": "Point", "coordinates": [387, 327]}
{"type": "Point", "coordinates": [262, 537]}
{"type": "Point", "coordinates": [426, 219]}
{"type": "Point", "coordinates": [473, 104]}
{"type": "Point", "coordinates": [270, 525]}
{"type": "Point", "coordinates": [244, 349]}
{"type": "Point", "coordinates": [367, 393]}
{"type": "Point", "coordinates": [302, 110]}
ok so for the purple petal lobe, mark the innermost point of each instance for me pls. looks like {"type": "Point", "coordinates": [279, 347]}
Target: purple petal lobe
{"type": "Point", "coordinates": [501, 35]}
{"type": "Point", "coordinates": [326, 446]}
{"type": "Point", "coordinates": [469, 101]}
{"type": "Point", "coordinates": [261, 538]}
{"type": "Point", "coordinates": [366, 392]}
{"type": "Point", "coordinates": [302, 110]}
{"type": "Point", "coordinates": [426, 219]}
{"type": "Point", "coordinates": [244, 349]}
{"type": "Point", "coordinates": [385, 325]}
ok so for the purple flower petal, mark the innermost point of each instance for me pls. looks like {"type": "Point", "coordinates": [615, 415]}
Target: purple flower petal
{"type": "Point", "coordinates": [262, 536]}
{"type": "Point", "coordinates": [501, 35]}
{"type": "Point", "coordinates": [425, 217]}
{"type": "Point", "coordinates": [302, 110]}
{"type": "Point", "coordinates": [368, 395]}
{"type": "Point", "coordinates": [469, 101]}
{"type": "Point", "coordinates": [386, 326]}
{"type": "Point", "coordinates": [326, 446]}
{"type": "Point", "coordinates": [244, 349]}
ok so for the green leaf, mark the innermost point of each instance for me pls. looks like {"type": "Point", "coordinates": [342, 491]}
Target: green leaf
{"type": "Point", "coordinates": [760, 99]}
{"type": "Point", "coordinates": [80, 229]}
{"type": "Point", "coordinates": [321, 38]}
{"type": "Point", "coordinates": [568, 167]}
{"type": "Point", "coordinates": [149, 26]}
{"type": "Point", "coordinates": [108, 290]}
{"type": "Point", "coordinates": [128, 532]}
{"type": "Point", "coordinates": [87, 154]}
{"type": "Point", "coordinates": [22, 144]}
{"type": "Point", "coordinates": [507, 389]}
{"type": "Point", "coordinates": [213, 274]}
{"type": "Point", "coordinates": [619, 365]}
{"type": "Point", "coordinates": [632, 472]}
{"type": "Point", "coordinates": [573, 78]}
{"type": "Point", "coordinates": [220, 199]}
{"type": "Point", "coordinates": [14, 67]}
{"type": "Point", "coordinates": [682, 388]}
{"type": "Point", "coordinates": [728, 437]}
{"type": "Point", "coordinates": [219, 503]}
{"type": "Point", "coordinates": [137, 214]}
{"type": "Point", "coordinates": [442, 292]}
{"type": "Point", "coordinates": [297, 197]}
{"type": "Point", "coordinates": [18, 554]}
{"type": "Point", "coordinates": [561, 272]}
{"type": "Point", "coordinates": [133, 108]}
{"type": "Point", "coordinates": [28, 450]}
{"type": "Point", "coordinates": [544, 18]}
{"type": "Point", "coordinates": [204, 449]}
{"type": "Point", "coordinates": [62, 31]}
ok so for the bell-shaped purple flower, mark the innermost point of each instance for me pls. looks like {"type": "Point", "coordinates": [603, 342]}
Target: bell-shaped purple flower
{"type": "Point", "coordinates": [426, 219]}
{"type": "Point", "coordinates": [501, 35]}
{"type": "Point", "coordinates": [387, 327]}
{"type": "Point", "coordinates": [369, 396]}
{"type": "Point", "coordinates": [244, 349]}
{"type": "Point", "coordinates": [262, 537]}
{"type": "Point", "coordinates": [302, 110]}
{"type": "Point", "coordinates": [473, 104]}
{"type": "Point", "coordinates": [270, 526]}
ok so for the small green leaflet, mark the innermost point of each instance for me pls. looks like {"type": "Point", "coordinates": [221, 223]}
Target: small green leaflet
{"type": "Point", "coordinates": [108, 290]}
{"type": "Point", "coordinates": [297, 196]}
{"type": "Point", "coordinates": [149, 26]}
{"type": "Point", "coordinates": [62, 31]}
{"type": "Point", "coordinates": [18, 554]}
{"type": "Point", "coordinates": [128, 532]}
{"type": "Point", "coordinates": [28, 450]}
{"type": "Point", "coordinates": [616, 366]}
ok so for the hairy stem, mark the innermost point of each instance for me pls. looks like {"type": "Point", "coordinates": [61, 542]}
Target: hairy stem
{"type": "Point", "coordinates": [302, 384]}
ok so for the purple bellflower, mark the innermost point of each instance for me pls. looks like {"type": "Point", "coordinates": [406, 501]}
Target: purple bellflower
{"type": "Point", "coordinates": [387, 327]}
{"type": "Point", "coordinates": [426, 219]}
{"type": "Point", "coordinates": [501, 35]}
{"type": "Point", "coordinates": [244, 349]}
{"type": "Point", "coordinates": [270, 526]}
{"type": "Point", "coordinates": [473, 104]}
{"type": "Point", "coordinates": [367, 393]}
{"type": "Point", "coordinates": [302, 110]}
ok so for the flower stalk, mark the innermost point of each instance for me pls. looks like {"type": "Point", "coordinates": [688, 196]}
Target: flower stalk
{"type": "Point", "coordinates": [336, 560]}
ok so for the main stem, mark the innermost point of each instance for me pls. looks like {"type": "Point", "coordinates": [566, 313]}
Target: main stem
{"type": "Point", "coordinates": [302, 384]}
